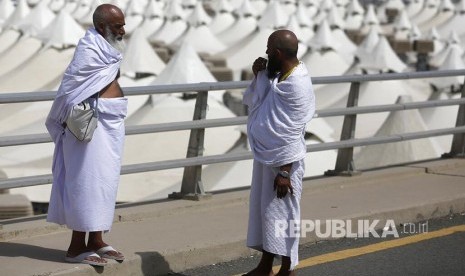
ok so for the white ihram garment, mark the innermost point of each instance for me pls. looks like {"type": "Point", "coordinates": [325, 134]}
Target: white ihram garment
{"type": "Point", "coordinates": [278, 113]}
{"type": "Point", "coordinates": [86, 175]}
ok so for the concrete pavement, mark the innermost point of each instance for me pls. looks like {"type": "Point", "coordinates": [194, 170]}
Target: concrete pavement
{"type": "Point", "coordinates": [171, 236]}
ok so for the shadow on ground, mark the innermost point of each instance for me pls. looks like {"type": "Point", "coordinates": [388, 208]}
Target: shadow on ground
{"type": "Point", "coordinates": [153, 263]}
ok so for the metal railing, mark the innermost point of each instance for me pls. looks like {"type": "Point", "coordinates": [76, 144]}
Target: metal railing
{"type": "Point", "coordinates": [192, 179]}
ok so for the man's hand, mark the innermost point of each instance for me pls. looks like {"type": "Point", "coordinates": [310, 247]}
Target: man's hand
{"type": "Point", "coordinates": [259, 65]}
{"type": "Point", "coordinates": [282, 185]}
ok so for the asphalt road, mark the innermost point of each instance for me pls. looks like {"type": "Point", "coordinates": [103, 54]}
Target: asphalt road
{"type": "Point", "coordinates": [433, 247]}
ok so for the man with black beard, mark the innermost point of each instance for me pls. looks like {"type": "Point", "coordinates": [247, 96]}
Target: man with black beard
{"type": "Point", "coordinates": [86, 174]}
{"type": "Point", "coordinates": [281, 102]}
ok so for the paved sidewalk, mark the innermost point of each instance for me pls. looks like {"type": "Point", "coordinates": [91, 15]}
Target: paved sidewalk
{"type": "Point", "coordinates": [172, 236]}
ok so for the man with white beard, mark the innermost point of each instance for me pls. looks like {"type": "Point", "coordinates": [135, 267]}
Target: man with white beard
{"type": "Point", "coordinates": [86, 174]}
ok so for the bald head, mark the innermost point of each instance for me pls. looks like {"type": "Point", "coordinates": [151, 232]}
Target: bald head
{"type": "Point", "coordinates": [109, 23]}
{"type": "Point", "coordinates": [105, 13]}
{"type": "Point", "coordinates": [286, 41]}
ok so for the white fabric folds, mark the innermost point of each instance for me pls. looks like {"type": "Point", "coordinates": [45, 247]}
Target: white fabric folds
{"type": "Point", "coordinates": [278, 113]}
{"type": "Point", "coordinates": [86, 175]}
{"type": "Point", "coordinates": [84, 199]}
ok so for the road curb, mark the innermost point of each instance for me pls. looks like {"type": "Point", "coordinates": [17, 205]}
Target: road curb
{"type": "Point", "coordinates": [166, 263]}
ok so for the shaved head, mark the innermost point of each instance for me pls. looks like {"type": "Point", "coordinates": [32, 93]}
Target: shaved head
{"type": "Point", "coordinates": [281, 49]}
{"type": "Point", "coordinates": [109, 22]}
{"type": "Point", "coordinates": [104, 13]}
{"type": "Point", "coordinates": [285, 41]}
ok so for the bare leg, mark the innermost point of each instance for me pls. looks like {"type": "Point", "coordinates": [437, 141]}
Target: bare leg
{"type": "Point", "coordinates": [78, 246]}
{"type": "Point", "coordinates": [265, 267]}
{"type": "Point", "coordinates": [285, 268]}
{"type": "Point", "coordinates": [96, 242]}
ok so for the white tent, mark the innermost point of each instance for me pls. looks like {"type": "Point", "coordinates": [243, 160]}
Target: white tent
{"type": "Point", "coordinates": [453, 61]}
{"type": "Point", "coordinates": [441, 117]}
{"type": "Point", "coordinates": [455, 24]}
{"type": "Point", "coordinates": [355, 13]}
{"type": "Point", "coordinates": [221, 21]}
{"type": "Point", "coordinates": [21, 11]}
{"type": "Point", "coordinates": [242, 57]}
{"type": "Point", "coordinates": [184, 67]}
{"type": "Point", "coordinates": [303, 33]}
{"type": "Point", "coordinates": [14, 80]}
{"type": "Point", "coordinates": [139, 56]}
{"type": "Point", "coordinates": [134, 15]}
{"type": "Point", "coordinates": [83, 8]}
{"type": "Point", "coordinates": [453, 42]}
{"type": "Point", "coordinates": [8, 38]}
{"type": "Point", "coordinates": [323, 59]}
{"type": "Point", "coordinates": [334, 19]}
{"type": "Point", "coordinates": [414, 7]}
{"type": "Point", "coordinates": [71, 6]}
{"type": "Point", "coordinates": [325, 63]}
{"type": "Point", "coordinates": [62, 32]}
{"type": "Point", "coordinates": [446, 11]}
{"type": "Point", "coordinates": [323, 38]}
{"type": "Point", "coordinates": [39, 18]}
{"type": "Point", "coordinates": [6, 9]}
{"type": "Point", "coordinates": [429, 11]}
{"type": "Point", "coordinates": [20, 53]}
{"type": "Point", "coordinates": [153, 18]}
{"type": "Point", "coordinates": [398, 122]}
{"type": "Point", "coordinates": [364, 51]}
{"type": "Point", "coordinates": [168, 145]}
{"type": "Point", "coordinates": [87, 19]}
{"type": "Point", "coordinates": [345, 46]}
{"type": "Point", "coordinates": [174, 26]}
{"type": "Point", "coordinates": [370, 17]}
{"type": "Point", "coordinates": [199, 16]}
{"type": "Point", "coordinates": [259, 5]}
{"type": "Point", "coordinates": [378, 93]}
{"type": "Point", "coordinates": [384, 58]}
{"type": "Point", "coordinates": [199, 34]}
{"type": "Point", "coordinates": [438, 43]}
{"type": "Point", "coordinates": [304, 19]}
{"type": "Point", "coordinates": [244, 26]}
{"type": "Point", "coordinates": [324, 6]}
{"type": "Point", "coordinates": [202, 40]}
{"type": "Point", "coordinates": [328, 95]}
{"type": "Point", "coordinates": [273, 17]}
{"type": "Point", "coordinates": [402, 26]}
{"type": "Point", "coordinates": [57, 5]}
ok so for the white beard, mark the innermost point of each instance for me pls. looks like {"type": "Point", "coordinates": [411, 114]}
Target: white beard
{"type": "Point", "coordinates": [117, 42]}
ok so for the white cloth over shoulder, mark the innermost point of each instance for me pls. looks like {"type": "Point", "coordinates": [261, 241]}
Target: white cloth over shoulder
{"type": "Point", "coordinates": [278, 113]}
{"type": "Point", "coordinates": [86, 175]}
{"type": "Point", "coordinates": [94, 65]}
{"type": "Point", "coordinates": [84, 200]}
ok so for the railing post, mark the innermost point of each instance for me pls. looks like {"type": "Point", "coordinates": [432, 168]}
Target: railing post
{"type": "Point", "coordinates": [458, 142]}
{"type": "Point", "coordinates": [345, 160]}
{"type": "Point", "coordinates": [192, 187]}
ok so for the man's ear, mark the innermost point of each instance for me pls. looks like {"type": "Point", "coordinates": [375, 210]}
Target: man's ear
{"type": "Point", "coordinates": [100, 28]}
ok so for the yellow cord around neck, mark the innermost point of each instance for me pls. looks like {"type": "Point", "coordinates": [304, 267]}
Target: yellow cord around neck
{"type": "Point", "coordinates": [288, 73]}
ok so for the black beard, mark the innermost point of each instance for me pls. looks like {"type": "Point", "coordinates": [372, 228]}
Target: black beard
{"type": "Point", "coordinates": [271, 73]}
{"type": "Point", "coordinates": [272, 69]}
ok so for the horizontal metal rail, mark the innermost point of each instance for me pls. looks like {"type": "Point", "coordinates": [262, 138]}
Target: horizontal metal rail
{"type": "Point", "coordinates": [209, 123]}
{"type": "Point", "coordinates": [214, 86]}
{"type": "Point", "coordinates": [230, 157]}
